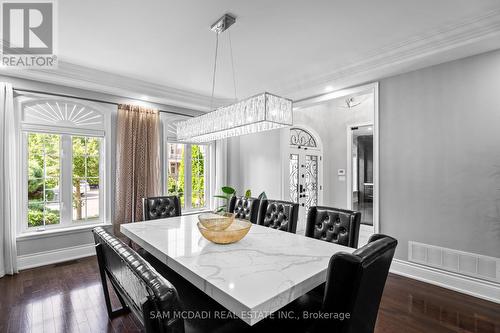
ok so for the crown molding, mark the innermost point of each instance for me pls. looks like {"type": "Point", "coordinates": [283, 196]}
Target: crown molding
{"type": "Point", "coordinates": [448, 42]}
{"type": "Point", "coordinates": [77, 76]}
{"type": "Point", "coordinates": [396, 58]}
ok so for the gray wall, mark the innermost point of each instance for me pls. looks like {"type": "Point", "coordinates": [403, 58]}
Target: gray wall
{"type": "Point", "coordinates": [254, 162]}
{"type": "Point", "coordinates": [439, 159]}
{"type": "Point", "coordinates": [440, 156]}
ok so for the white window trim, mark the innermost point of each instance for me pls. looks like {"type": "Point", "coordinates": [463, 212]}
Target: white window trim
{"type": "Point", "coordinates": [66, 225]}
{"type": "Point", "coordinates": [209, 175]}
{"type": "Point", "coordinates": [65, 181]}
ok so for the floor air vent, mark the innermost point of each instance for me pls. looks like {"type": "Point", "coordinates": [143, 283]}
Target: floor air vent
{"type": "Point", "coordinates": [475, 265]}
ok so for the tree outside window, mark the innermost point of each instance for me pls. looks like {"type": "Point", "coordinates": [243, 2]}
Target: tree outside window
{"type": "Point", "coordinates": [86, 152]}
{"type": "Point", "coordinates": [198, 176]}
{"type": "Point", "coordinates": [177, 173]}
{"type": "Point", "coordinates": [43, 179]}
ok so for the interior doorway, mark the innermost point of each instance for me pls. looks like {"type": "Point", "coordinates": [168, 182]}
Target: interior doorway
{"type": "Point", "coordinates": [350, 172]}
{"type": "Point", "coordinates": [361, 171]}
{"type": "Point", "coordinates": [361, 180]}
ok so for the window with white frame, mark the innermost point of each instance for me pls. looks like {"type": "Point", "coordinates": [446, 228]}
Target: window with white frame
{"type": "Point", "coordinates": [63, 159]}
{"type": "Point", "coordinates": [188, 174]}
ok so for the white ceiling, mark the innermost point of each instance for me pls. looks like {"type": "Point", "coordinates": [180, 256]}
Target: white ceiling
{"type": "Point", "coordinates": [289, 47]}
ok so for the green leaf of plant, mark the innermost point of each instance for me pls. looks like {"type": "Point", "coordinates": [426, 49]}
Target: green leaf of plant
{"type": "Point", "coordinates": [220, 209]}
{"type": "Point", "coordinates": [248, 194]}
{"type": "Point", "coordinates": [228, 190]}
{"type": "Point", "coordinates": [221, 196]}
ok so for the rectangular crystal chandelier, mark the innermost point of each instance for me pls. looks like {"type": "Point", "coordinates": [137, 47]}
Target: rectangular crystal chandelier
{"type": "Point", "coordinates": [259, 113]}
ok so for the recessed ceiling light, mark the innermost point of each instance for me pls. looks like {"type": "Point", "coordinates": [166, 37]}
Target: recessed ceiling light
{"type": "Point", "coordinates": [328, 88]}
{"type": "Point", "coordinates": [145, 98]}
{"type": "Point", "coordinates": [369, 128]}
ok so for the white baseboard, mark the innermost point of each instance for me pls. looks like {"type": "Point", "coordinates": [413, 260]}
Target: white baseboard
{"type": "Point", "coordinates": [55, 256]}
{"type": "Point", "coordinates": [464, 284]}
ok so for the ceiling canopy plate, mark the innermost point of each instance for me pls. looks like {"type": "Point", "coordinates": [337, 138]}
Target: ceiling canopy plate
{"type": "Point", "coordinates": [223, 23]}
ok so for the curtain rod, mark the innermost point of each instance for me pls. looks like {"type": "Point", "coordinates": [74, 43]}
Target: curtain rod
{"type": "Point", "coordinates": [93, 99]}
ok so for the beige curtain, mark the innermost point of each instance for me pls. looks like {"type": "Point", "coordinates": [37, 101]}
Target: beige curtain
{"type": "Point", "coordinates": [137, 161]}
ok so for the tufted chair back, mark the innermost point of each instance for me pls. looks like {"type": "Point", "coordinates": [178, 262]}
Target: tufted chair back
{"type": "Point", "coordinates": [355, 283]}
{"type": "Point", "coordinates": [160, 207]}
{"type": "Point", "coordinates": [138, 286]}
{"type": "Point", "coordinates": [333, 225]}
{"type": "Point", "coordinates": [245, 208]}
{"type": "Point", "coordinates": [281, 215]}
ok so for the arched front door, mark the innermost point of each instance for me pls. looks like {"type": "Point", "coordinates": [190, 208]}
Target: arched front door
{"type": "Point", "coordinates": [304, 172]}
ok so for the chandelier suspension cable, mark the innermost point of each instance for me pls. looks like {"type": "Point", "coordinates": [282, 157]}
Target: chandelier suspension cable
{"type": "Point", "coordinates": [262, 112]}
{"type": "Point", "coordinates": [215, 70]}
{"type": "Point", "coordinates": [232, 65]}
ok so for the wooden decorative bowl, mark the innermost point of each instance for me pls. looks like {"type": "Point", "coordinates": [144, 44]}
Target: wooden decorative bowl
{"type": "Point", "coordinates": [235, 232]}
{"type": "Point", "coordinates": [216, 222]}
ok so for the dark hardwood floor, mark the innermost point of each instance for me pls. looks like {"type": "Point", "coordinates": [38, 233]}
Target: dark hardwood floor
{"type": "Point", "coordinates": [68, 297]}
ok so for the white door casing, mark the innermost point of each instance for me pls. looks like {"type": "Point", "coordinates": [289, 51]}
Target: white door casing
{"type": "Point", "coordinates": [365, 230]}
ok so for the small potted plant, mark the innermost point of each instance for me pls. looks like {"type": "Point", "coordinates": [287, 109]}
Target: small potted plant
{"type": "Point", "coordinates": [228, 193]}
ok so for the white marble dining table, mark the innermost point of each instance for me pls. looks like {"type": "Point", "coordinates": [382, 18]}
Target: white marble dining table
{"type": "Point", "coordinates": [252, 278]}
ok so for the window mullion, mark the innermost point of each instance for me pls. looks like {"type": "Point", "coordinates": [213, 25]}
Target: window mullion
{"type": "Point", "coordinates": [206, 170]}
{"type": "Point", "coordinates": [102, 180]}
{"type": "Point", "coordinates": [166, 166]}
{"type": "Point", "coordinates": [67, 181]}
{"type": "Point", "coordinates": [188, 187]}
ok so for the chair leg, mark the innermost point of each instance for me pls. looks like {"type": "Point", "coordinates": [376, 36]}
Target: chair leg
{"type": "Point", "coordinates": [111, 313]}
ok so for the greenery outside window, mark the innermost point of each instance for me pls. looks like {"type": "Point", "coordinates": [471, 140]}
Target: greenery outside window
{"type": "Point", "coordinates": [44, 201]}
{"type": "Point", "coordinates": [85, 175]}
{"type": "Point", "coordinates": [56, 188]}
{"type": "Point", "coordinates": [64, 153]}
{"type": "Point", "coordinates": [187, 174]}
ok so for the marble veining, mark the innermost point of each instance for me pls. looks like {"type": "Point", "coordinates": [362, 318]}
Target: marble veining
{"type": "Point", "coordinates": [260, 274]}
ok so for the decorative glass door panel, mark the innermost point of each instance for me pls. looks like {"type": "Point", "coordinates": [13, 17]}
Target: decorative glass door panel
{"type": "Point", "coordinates": [304, 182]}
{"type": "Point", "coordinates": [310, 181]}
{"type": "Point", "coordinates": [294, 177]}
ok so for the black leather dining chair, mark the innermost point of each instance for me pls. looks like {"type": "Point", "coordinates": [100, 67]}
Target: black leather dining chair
{"type": "Point", "coordinates": [160, 207]}
{"type": "Point", "coordinates": [160, 299]}
{"type": "Point", "coordinates": [139, 288]}
{"type": "Point", "coordinates": [354, 285]}
{"type": "Point", "coordinates": [277, 214]}
{"type": "Point", "coordinates": [340, 226]}
{"type": "Point", "coordinates": [245, 208]}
